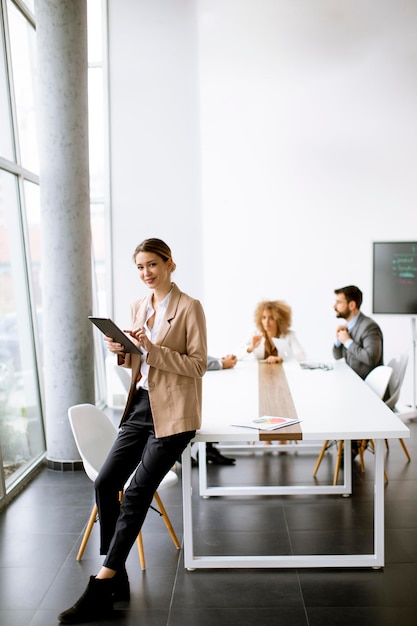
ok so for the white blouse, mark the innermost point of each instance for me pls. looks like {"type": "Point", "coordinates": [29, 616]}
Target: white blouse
{"type": "Point", "coordinates": [290, 337]}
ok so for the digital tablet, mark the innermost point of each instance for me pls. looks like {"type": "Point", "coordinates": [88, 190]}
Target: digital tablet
{"type": "Point", "coordinates": [110, 329]}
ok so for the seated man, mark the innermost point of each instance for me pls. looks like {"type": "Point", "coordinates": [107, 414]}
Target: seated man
{"type": "Point", "coordinates": [225, 363]}
{"type": "Point", "coordinates": [212, 454]}
{"type": "Point", "coordinates": [359, 341]}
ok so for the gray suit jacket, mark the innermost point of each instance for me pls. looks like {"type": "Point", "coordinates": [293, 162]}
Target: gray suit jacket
{"type": "Point", "coordinates": [366, 352]}
{"type": "Point", "coordinates": [213, 363]}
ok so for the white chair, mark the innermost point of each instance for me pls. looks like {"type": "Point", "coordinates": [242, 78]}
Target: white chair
{"type": "Point", "coordinates": [399, 366]}
{"type": "Point", "coordinates": [94, 434]}
{"type": "Point", "coordinates": [124, 375]}
{"type": "Point", "coordinates": [377, 380]}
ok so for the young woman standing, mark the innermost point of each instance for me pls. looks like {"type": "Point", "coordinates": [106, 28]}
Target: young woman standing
{"type": "Point", "coordinates": [162, 413]}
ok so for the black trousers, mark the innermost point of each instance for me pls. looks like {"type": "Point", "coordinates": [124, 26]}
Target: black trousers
{"type": "Point", "coordinates": [135, 447]}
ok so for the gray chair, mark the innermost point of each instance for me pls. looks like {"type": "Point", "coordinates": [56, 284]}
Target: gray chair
{"type": "Point", "coordinates": [399, 366]}
{"type": "Point", "coordinates": [378, 380]}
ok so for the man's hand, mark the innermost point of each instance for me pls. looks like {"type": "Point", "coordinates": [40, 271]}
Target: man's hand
{"type": "Point", "coordinates": [228, 361]}
{"type": "Point", "coordinates": [342, 334]}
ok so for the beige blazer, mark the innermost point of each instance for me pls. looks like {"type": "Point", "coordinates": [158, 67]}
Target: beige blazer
{"type": "Point", "coordinates": [177, 360]}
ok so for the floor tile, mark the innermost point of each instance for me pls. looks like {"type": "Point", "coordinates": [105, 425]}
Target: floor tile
{"type": "Point", "coordinates": [41, 530]}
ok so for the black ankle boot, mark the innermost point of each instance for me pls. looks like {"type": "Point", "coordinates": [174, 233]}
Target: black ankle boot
{"type": "Point", "coordinates": [96, 603]}
{"type": "Point", "coordinates": [216, 458]}
{"type": "Point", "coordinates": [121, 587]}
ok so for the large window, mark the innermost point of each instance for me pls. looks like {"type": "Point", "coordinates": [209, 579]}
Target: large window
{"type": "Point", "coordinates": [21, 430]}
{"type": "Point", "coordinates": [21, 424]}
{"type": "Point", "coordinates": [22, 440]}
{"type": "Point", "coordinates": [99, 186]}
{"type": "Point", "coordinates": [22, 38]}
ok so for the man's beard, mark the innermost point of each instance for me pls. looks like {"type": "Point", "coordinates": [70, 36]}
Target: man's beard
{"type": "Point", "coordinates": [341, 316]}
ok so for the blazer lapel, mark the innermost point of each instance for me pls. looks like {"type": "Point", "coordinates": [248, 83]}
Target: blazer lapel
{"type": "Point", "coordinates": [357, 326]}
{"type": "Point", "coordinates": [141, 314]}
{"type": "Point", "coordinates": [169, 315]}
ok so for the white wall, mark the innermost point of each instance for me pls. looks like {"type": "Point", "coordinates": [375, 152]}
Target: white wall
{"type": "Point", "coordinates": [270, 142]}
{"type": "Point", "coordinates": [155, 151]}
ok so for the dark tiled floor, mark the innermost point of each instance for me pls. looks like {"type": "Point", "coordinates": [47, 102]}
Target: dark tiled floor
{"type": "Point", "coordinates": [41, 529]}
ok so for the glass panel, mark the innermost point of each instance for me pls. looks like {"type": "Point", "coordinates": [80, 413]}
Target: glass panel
{"type": "Point", "coordinates": [31, 5]}
{"type": "Point", "coordinates": [98, 242]}
{"type": "Point", "coordinates": [33, 225]}
{"type": "Point", "coordinates": [23, 45]}
{"type": "Point", "coordinates": [95, 44]}
{"type": "Point", "coordinates": [98, 235]}
{"type": "Point", "coordinates": [96, 132]}
{"type": "Point", "coordinates": [6, 142]}
{"type": "Point", "coordinates": [21, 431]}
{"type": "Point", "coordinates": [98, 176]}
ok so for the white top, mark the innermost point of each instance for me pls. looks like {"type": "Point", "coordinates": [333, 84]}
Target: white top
{"type": "Point", "coordinates": [331, 404]}
{"type": "Point", "coordinates": [151, 333]}
{"type": "Point", "coordinates": [259, 352]}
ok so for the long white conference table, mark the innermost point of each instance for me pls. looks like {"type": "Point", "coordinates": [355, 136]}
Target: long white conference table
{"type": "Point", "coordinates": [331, 404]}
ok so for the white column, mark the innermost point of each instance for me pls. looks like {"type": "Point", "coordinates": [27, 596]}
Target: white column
{"type": "Point", "coordinates": [65, 217]}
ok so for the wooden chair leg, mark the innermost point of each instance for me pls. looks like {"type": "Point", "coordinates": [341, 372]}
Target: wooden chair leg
{"type": "Point", "coordinates": [320, 457]}
{"type": "Point", "coordinates": [87, 532]}
{"type": "Point", "coordinates": [141, 551]}
{"type": "Point", "coordinates": [363, 447]}
{"type": "Point", "coordinates": [167, 520]}
{"type": "Point", "coordinates": [361, 450]}
{"type": "Point", "coordinates": [340, 447]}
{"type": "Point", "coordinates": [139, 539]}
{"type": "Point", "coordinates": [404, 447]}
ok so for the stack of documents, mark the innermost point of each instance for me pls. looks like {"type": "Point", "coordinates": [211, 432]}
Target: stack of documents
{"type": "Point", "coordinates": [268, 422]}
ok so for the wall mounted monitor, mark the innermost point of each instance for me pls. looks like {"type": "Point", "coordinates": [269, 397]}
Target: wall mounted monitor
{"type": "Point", "coordinates": [395, 277]}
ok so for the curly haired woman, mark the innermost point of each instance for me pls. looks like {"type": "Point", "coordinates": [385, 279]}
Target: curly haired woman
{"type": "Point", "coordinates": [273, 320]}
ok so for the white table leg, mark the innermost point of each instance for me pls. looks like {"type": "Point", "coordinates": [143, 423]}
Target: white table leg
{"type": "Point", "coordinates": [379, 497]}
{"type": "Point", "coordinates": [187, 508]}
{"type": "Point", "coordinates": [344, 489]}
{"type": "Point", "coordinates": [375, 559]}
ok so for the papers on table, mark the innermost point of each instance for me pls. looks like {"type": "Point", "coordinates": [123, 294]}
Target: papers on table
{"type": "Point", "coordinates": [268, 422]}
{"type": "Point", "coordinates": [316, 365]}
